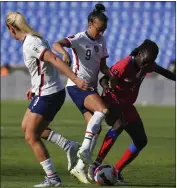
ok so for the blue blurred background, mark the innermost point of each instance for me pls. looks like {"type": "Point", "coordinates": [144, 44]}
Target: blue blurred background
{"type": "Point", "coordinates": [129, 24]}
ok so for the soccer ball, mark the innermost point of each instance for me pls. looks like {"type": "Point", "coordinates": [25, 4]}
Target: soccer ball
{"type": "Point", "coordinates": [105, 175]}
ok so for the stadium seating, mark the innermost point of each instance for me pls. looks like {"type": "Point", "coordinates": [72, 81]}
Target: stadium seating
{"type": "Point", "coordinates": [129, 24]}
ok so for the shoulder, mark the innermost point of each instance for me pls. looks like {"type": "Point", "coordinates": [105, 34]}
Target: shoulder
{"type": "Point", "coordinates": [123, 62]}
{"type": "Point", "coordinates": [76, 36]}
{"type": "Point", "coordinates": [33, 41]}
{"type": "Point", "coordinates": [121, 66]}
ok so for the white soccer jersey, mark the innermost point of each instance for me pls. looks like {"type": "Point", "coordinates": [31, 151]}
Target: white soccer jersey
{"type": "Point", "coordinates": [45, 79]}
{"type": "Point", "coordinates": [87, 54]}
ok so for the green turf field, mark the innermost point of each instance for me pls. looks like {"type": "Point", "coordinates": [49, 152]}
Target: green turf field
{"type": "Point", "coordinates": [155, 166]}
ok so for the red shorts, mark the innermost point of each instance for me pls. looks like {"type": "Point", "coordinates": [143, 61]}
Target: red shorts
{"type": "Point", "coordinates": [119, 110]}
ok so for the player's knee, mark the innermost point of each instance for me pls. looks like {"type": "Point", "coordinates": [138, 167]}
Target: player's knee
{"type": "Point", "coordinates": [31, 137]}
{"type": "Point", "coordinates": [23, 126]}
{"type": "Point", "coordinates": [142, 143]}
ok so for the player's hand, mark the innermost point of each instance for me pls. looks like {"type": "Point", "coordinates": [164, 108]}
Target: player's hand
{"type": "Point", "coordinates": [67, 59]}
{"type": "Point", "coordinates": [82, 84]}
{"type": "Point", "coordinates": [106, 91]}
{"type": "Point", "coordinates": [29, 94]}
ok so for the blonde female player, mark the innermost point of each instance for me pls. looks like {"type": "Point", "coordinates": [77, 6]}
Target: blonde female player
{"type": "Point", "coordinates": [48, 90]}
{"type": "Point", "coordinates": [89, 57]}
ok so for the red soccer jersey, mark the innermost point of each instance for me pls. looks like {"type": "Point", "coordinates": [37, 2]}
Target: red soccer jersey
{"type": "Point", "coordinates": [127, 89]}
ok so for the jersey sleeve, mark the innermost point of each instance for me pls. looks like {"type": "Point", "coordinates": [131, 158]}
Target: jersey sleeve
{"type": "Point", "coordinates": [35, 50]}
{"type": "Point", "coordinates": [119, 68]}
{"type": "Point", "coordinates": [73, 40]}
{"type": "Point", "coordinates": [105, 52]}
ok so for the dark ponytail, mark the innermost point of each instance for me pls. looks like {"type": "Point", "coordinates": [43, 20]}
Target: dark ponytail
{"type": "Point", "coordinates": [99, 8]}
{"type": "Point", "coordinates": [98, 12]}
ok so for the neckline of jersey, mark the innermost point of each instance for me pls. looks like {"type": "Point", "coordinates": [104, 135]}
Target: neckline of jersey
{"type": "Point", "coordinates": [91, 38]}
{"type": "Point", "coordinates": [23, 39]}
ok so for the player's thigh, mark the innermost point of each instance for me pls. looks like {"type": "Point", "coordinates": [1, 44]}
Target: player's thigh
{"type": "Point", "coordinates": [30, 120]}
{"type": "Point", "coordinates": [134, 125]}
{"type": "Point", "coordinates": [25, 119]}
{"type": "Point", "coordinates": [42, 111]}
{"type": "Point", "coordinates": [94, 103]}
{"type": "Point", "coordinates": [130, 113]}
{"type": "Point", "coordinates": [36, 124]}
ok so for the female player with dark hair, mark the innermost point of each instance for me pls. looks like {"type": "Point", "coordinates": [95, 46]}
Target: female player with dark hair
{"type": "Point", "coordinates": [89, 57]}
{"type": "Point", "coordinates": [123, 115]}
{"type": "Point", "coordinates": [48, 93]}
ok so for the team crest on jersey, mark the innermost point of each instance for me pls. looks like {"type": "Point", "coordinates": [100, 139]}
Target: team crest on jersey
{"type": "Point", "coordinates": [36, 50]}
{"type": "Point", "coordinates": [96, 49]}
{"type": "Point", "coordinates": [116, 72]}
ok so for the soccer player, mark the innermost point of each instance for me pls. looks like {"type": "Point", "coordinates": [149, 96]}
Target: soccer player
{"type": "Point", "coordinates": [89, 57]}
{"type": "Point", "coordinates": [48, 93]}
{"type": "Point", "coordinates": [123, 115]}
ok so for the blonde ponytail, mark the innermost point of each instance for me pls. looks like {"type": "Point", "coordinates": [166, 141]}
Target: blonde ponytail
{"type": "Point", "coordinates": [17, 20]}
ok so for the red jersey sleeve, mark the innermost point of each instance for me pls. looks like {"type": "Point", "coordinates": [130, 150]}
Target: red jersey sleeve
{"type": "Point", "coordinates": [120, 67]}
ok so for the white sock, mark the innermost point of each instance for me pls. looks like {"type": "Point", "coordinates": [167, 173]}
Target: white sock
{"type": "Point", "coordinates": [93, 143]}
{"type": "Point", "coordinates": [80, 164]}
{"type": "Point", "coordinates": [92, 128]}
{"type": "Point", "coordinates": [59, 140]}
{"type": "Point", "coordinates": [48, 167]}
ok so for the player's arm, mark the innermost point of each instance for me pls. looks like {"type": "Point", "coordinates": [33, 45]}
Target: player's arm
{"type": "Point", "coordinates": [103, 66]}
{"type": "Point", "coordinates": [68, 42]}
{"type": "Point", "coordinates": [49, 56]}
{"type": "Point", "coordinates": [105, 69]}
{"type": "Point", "coordinates": [104, 82]}
{"type": "Point", "coordinates": [59, 47]}
{"type": "Point", "coordinates": [164, 72]}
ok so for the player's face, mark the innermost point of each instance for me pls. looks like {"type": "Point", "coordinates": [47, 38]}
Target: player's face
{"type": "Point", "coordinates": [145, 60]}
{"type": "Point", "coordinates": [97, 28]}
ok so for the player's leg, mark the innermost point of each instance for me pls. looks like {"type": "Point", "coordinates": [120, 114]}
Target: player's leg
{"type": "Point", "coordinates": [42, 110]}
{"type": "Point", "coordinates": [116, 121]}
{"type": "Point", "coordinates": [93, 103]}
{"type": "Point", "coordinates": [79, 171]}
{"type": "Point", "coordinates": [138, 135]}
{"type": "Point", "coordinates": [136, 131]}
{"type": "Point", "coordinates": [35, 125]}
{"type": "Point", "coordinates": [107, 144]}
{"type": "Point", "coordinates": [132, 127]}
{"type": "Point", "coordinates": [88, 101]}
{"type": "Point", "coordinates": [49, 134]}
{"type": "Point", "coordinates": [70, 147]}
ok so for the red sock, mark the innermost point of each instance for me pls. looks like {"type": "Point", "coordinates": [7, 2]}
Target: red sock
{"type": "Point", "coordinates": [108, 142]}
{"type": "Point", "coordinates": [106, 146]}
{"type": "Point", "coordinates": [127, 157]}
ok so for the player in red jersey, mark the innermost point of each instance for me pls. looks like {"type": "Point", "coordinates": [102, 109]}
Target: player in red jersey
{"type": "Point", "coordinates": [123, 115]}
